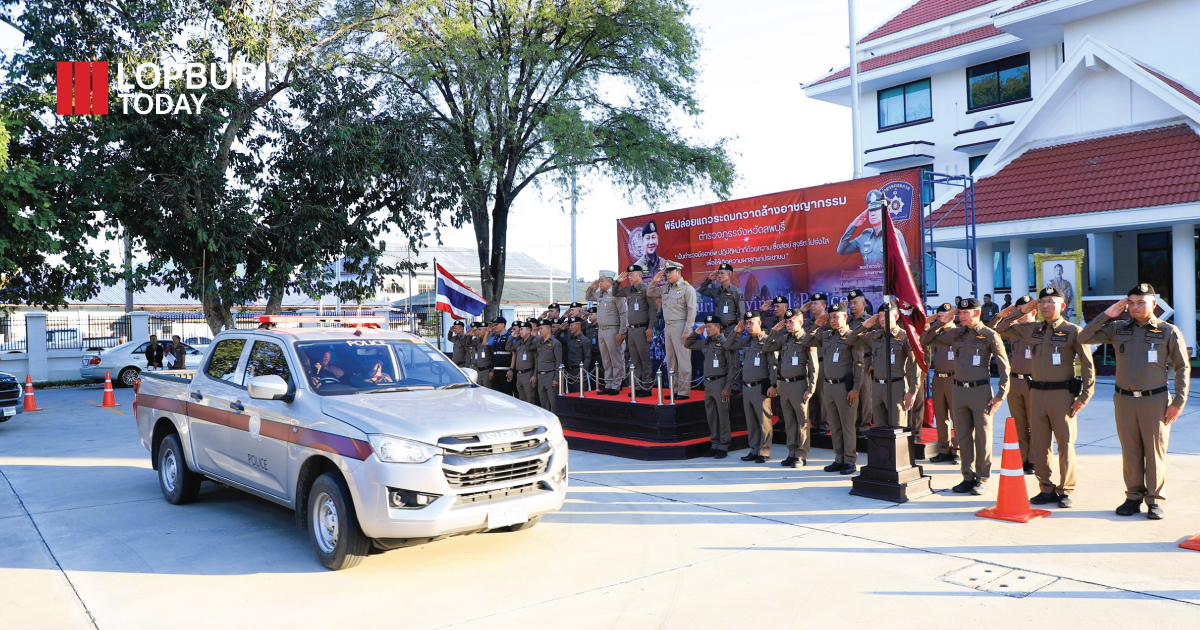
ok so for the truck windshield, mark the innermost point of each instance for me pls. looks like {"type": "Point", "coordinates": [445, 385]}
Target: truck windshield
{"type": "Point", "coordinates": [356, 366]}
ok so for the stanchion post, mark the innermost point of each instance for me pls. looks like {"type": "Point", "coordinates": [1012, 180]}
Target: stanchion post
{"type": "Point", "coordinates": [658, 380]}
{"type": "Point", "coordinates": [582, 381]}
{"type": "Point", "coordinates": [671, 380]}
{"type": "Point", "coordinates": [597, 370]}
{"type": "Point", "coordinates": [560, 380]}
{"type": "Point", "coordinates": [632, 385]}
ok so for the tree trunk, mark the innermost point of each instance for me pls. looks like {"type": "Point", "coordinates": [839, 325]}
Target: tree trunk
{"type": "Point", "coordinates": [274, 301]}
{"type": "Point", "coordinates": [499, 257]}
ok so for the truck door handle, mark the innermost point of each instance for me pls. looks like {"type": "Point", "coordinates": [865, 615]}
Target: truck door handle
{"type": "Point", "coordinates": [236, 406]}
{"type": "Point", "coordinates": [197, 395]}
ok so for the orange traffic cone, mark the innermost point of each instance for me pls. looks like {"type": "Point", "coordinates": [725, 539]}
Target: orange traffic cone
{"type": "Point", "coordinates": [30, 401]}
{"type": "Point", "coordinates": [1013, 502]}
{"type": "Point", "coordinates": [109, 399]}
{"type": "Point", "coordinates": [1192, 543]}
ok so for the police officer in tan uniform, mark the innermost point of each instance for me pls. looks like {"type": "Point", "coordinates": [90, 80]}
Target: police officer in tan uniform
{"type": "Point", "coordinates": [816, 306]}
{"type": "Point", "coordinates": [679, 314]}
{"type": "Point", "coordinates": [841, 389]}
{"type": "Point", "coordinates": [458, 341]}
{"type": "Point", "coordinates": [880, 355]}
{"type": "Point", "coordinates": [943, 392]}
{"type": "Point", "coordinates": [1145, 346]}
{"type": "Point", "coordinates": [856, 302]}
{"type": "Point", "coordinates": [1055, 397]}
{"type": "Point", "coordinates": [521, 345]}
{"type": "Point", "coordinates": [1020, 360]}
{"type": "Point", "coordinates": [728, 301]}
{"type": "Point", "coordinates": [795, 383]}
{"type": "Point", "coordinates": [973, 346]}
{"type": "Point", "coordinates": [610, 317]}
{"type": "Point", "coordinates": [758, 371]}
{"type": "Point", "coordinates": [548, 358]}
{"type": "Point", "coordinates": [641, 312]}
{"type": "Point", "coordinates": [717, 373]}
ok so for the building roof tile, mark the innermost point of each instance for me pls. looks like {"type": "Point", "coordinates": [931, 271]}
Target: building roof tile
{"type": "Point", "coordinates": [1154, 167]}
{"type": "Point", "coordinates": [923, 12]}
{"type": "Point", "coordinates": [1175, 85]}
{"type": "Point", "coordinates": [1021, 5]}
{"type": "Point", "coordinates": [928, 48]}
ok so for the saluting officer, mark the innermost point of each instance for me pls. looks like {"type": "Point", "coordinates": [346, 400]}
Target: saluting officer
{"type": "Point", "coordinates": [856, 302]}
{"type": "Point", "coordinates": [548, 358]}
{"type": "Point", "coordinates": [774, 314]}
{"type": "Point", "coordinates": [898, 353]}
{"type": "Point", "coordinates": [479, 354]}
{"type": "Point", "coordinates": [841, 389]}
{"type": "Point", "coordinates": [578, 351]}
{"type": "Point", "coordinates": [610, 316]}
{"type": "Point", "coordinates": [716, 383]}
{"type": "Point", "coordinates": [942, 366]}
{"type": "Point", "coordinates": [521, 345]}
{"type": "Point", "coordinates": [641, 311]}
{"type": "Point", "coordinates": [1145, 345]}
{"type": "Point", "coordinates": [758, 369]}
{"type": "Point", "coordinates": [679, 312]}
{"type": "Point", "coordinates": [1056, 398]}
{"type": "Point", "coordinates": [816, 306]}
{"type": "Point", "coordinates": [973, 346]}
{"type": "Point", "coordinates": [728, 301]}
{"type": "Point", "coordinates": [497, 340]}
{"type": "Point", "coordinates": [1020, 360]}
{"type": "Point", "coordinates": [458, 344]}
{"type": "Point", "coordinates": [795, 383]}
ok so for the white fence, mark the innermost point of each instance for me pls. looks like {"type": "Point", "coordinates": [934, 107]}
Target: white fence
{"type": "Point", "coordinates": [47, 354]}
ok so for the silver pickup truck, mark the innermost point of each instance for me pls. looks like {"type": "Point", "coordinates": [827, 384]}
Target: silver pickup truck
{"type": "Point", "coordinates": [373, 438]}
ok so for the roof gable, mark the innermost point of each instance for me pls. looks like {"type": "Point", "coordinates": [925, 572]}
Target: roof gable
{"type": "Point", "coordinates": [928, 48]}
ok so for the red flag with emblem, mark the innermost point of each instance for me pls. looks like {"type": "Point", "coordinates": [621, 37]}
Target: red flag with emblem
{"type": "Point", "coordinates": [898, 281]}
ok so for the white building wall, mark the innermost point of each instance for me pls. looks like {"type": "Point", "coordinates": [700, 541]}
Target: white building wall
{"type": "Point", "coordinates": [1161, 34]}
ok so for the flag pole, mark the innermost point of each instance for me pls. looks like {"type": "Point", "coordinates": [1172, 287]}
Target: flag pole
{"type": "Point", "coordinates": [440, 335]}
{"type": "Point", "coordinates": [887, 334]}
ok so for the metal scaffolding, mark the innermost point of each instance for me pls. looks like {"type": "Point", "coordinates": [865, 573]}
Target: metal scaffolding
{"type": "Point", "coordinates": [929, 221]}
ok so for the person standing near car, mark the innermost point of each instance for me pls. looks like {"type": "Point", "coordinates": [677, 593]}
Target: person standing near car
{"type": "Point", "coordinates": [458, 342]}
{"type": "Point", "coordinates": [154, 354]}
{"type": "Point", "coordinates": [178, 354]}
{"type": "Point", "coordinates": [497, 342]}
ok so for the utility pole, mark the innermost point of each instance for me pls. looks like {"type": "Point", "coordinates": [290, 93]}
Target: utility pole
{"type": "Point", "coordinates": [854, 123]}
{"type": "Point", "coordinates": [574, 242]}
{"type": "Point", "coordinates": [128, 271]}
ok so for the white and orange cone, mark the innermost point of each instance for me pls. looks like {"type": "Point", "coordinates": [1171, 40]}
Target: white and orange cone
{"type": "Point", "coordinates": [30, 401]}
{"type": "Point", "coordinates": [109, 399]}
{"type": "Point", "coordinates": [1192, 543]}
{"type": "Point", "coordinates": [1012, 504]}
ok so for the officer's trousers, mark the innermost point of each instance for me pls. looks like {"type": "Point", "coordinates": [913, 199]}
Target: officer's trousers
{"type": "Point", "coordinates": [1048, 411]}
{"type": "Point", "coordinates": [1143, 445]}
{"type": "Point", "coordinates": [612, 358]}
{"type": "Point", "coordinates": [525, 390]}
{"type": "Point", "coordinates": [500, 381]}
{"type": "Point", "coordinates": [943, 394]}
{"type": "Point", "coordinates": [547, 392]}
{"type": "Point", "coordinates": [1020, 405]}
{"type": "Point", "coordinates": [816, 417]}
{"type": "Point", "coordinates": [973, 428]}
{"type": "Point", "coordinates": [795, 417]}
{"type": "Point", "coordinates": [718, 415]}
{"type": "Point", "coordinates": [881, 416]}
{"type": "Point", "coordinates": [839, 417]}
{"type": "Point", "coordinates": [639, 354]}
{"type": "Point", "coordinates": [679, 357]}
{"type": "Point", "coordinates": [759, 429]}
{"type": "Point", "coordinates": [865, 405]}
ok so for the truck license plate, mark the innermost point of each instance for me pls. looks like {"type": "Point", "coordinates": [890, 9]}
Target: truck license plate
{"type": "Point", "coordinates": [10, 411]}
{"type": "Point", "coordinates": [509, 514]}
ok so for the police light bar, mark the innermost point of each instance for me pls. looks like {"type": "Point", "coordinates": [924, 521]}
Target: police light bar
{"type": "Point", "coordinates": [348, 320]}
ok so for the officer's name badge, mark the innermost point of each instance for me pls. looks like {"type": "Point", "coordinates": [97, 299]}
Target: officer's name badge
{"type": "Point", "coordinates": [981, 336]}
{"type": "Point", "coordinates": [1059, 333]}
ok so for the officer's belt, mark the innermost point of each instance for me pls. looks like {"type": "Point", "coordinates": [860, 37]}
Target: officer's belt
{"type": "Point", "coordinates": [638, 325]}
{"type": "Point", "coordinates": [547, 371]}
{"type": "Point", "coordinates": [573, 366]}
{"type": "Point", "coordinates": [674, 321]}
{"type": "Point", "coordinates": [496, 368]}
{"type": "Point", "coordinates": [1047, 385]}
{"type": "Point", "coordinates": [885, 382]}
{"type": "Point", "coordinates": [943, 374]}
{"type": "Point", "coordinates": [713, 378]}
{"type": "Point", "coordinates": [793, 379]}
{"type": "Point", "coordinates": [980, 383]}
{"type": "Point", "coordinates": [609, 326]}
{"type": "Point", "coordinates": [524, 371]}
{"type": "Point", "coordinates": [835, 381]}
{"type": "Point", "coordinates": [755, 383]}
{"type": "Point", "coordinates": [1143, 393]}
{"type": "Point", "coordinates": [1027, 377]}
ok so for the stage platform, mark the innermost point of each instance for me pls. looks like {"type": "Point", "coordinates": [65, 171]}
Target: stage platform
{"type": "Point", "coordinates": [645, 430]}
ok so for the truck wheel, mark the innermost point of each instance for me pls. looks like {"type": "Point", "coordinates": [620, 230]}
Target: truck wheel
{"type": "Point", "coordinates": [526, 525]}
{"type": "Point", "coordinates": [178, 483]}
{"type": "Point", "coordinates": [127, 376]}
{"type": "Point", "coordinates": [333, 527]}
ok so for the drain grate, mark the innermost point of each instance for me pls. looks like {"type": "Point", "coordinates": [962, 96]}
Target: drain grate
{"type": "Point", "coordinates": [991, 578]}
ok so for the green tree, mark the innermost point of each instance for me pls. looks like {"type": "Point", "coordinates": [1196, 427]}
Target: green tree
{"type": "Point", "coordinates": [527, 89]}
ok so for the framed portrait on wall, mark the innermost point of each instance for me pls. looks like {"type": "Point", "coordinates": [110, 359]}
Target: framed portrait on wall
{"type": "Point", "coordinates": [1063, 272]}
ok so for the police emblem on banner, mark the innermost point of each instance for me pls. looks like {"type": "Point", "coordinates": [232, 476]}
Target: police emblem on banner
{"type": "Point", "coordinates": [899, 199]}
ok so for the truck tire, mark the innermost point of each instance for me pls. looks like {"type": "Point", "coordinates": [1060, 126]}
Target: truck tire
{"type": "Point", "coordinates": [126, 376]}
{"type": "Point", "coordinates": [526, 525]}
{"type": "Point", "coordinates": [337, 540]}
{"type": "Point", "coordinates": [178, 483]}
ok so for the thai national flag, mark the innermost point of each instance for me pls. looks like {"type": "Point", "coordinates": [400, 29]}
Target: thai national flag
{"type": "Point", "coordinates": [456, 298]}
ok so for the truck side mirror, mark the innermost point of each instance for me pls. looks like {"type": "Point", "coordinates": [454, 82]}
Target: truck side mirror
{"type": "Point", "coordinates": [472, 374]}
{"type": "Point", "coordinates": [269, 387]}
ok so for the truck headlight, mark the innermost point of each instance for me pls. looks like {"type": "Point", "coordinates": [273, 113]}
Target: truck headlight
{"type": "Point", "coordinates": [400, 451]}
{"type": "Point", "coordinates": [554, 431]}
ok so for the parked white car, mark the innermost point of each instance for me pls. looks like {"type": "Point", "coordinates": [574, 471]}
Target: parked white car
{"type": "Point", "coordinates": [12, 397]}
{"type": "Point", "coordinates": [128, 360]}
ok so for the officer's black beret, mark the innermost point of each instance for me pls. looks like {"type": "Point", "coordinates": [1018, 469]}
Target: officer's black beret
{"type": "Point", "coordinates": [553, 305]}
{"type": "Point", "coordinates": [1141, 289]}
{"type": "Point", "coordinates": [790, 313]}
{"type": "Point", "coordinates": [545, 322]}
{"type": "Point", "coordinates": [458, 322]}
{"type": "Point", "coordinates": [725, 267]}
{"type": "Point", "coordinates": [883, 308]}
{"type": "Point", "coordinates": [712, 319]}
{"type": "Point", "coordinates": [838, 307]}
{"type": "Point", "coordinates": [1023, 300]}
{"type": "Point", "coordinates": [650, 228]}
{"type": "Point", "coordinates": [854, 293]}
{"type": "Point", "coordinates": [499, 320]}
{"type": "Point", "coordinates": [945, 307]}
{"type": "Point", "coordinates": [819, 297]}
{"type": "Point", "coordinates": [532, 320]}
{"type": "Point", "coordinates": [476, 324]}
{"type": "Point", "coordinates": [577, 304]}
{"type": "Point", "coordinates": [574, 320]}
{"type": "Point", "coordinates": [592, 309]}
{"type": "Point", "coordinates": [633, 268]}
{"type": "Point", "coordinates": [780, 299]}
{"type": "Point", "coordinates": [969, 303]}
{"type": "Point", "coordinates": [524, 325]}
{"type": "Point", "coordinates": [1050, 292]}
{"type": "Point", "coordinates": [560, 320]}
{"type": "Point", "coordinates": [749, 315]}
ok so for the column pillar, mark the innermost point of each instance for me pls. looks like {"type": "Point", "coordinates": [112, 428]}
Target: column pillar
{"type": "Point", "coordinates": [985, 269]}
{"type": "Point", "coordinates": [35, 346]}
{"type": "Point", "coordinates": [1183, 281]}
{"type": "Point", "coordinates": [308, 312]}
{"type": "Point", "coordinates": [139, 326]}
{"type": "Point", "coordinates": [1018, 266]}
{"type": "Point", "coordinates": [1100, 263]}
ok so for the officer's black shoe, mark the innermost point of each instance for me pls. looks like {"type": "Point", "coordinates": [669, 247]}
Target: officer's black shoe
{"type": "Point", "coordinates": [1028, 466]}
{"type": "Point", "coordinates": [790, 462]}
{"type": "Point", "coordinates": [1129, 508]}
{"type": "Point", "coordinates": [644, 393]}
{"type": "Point", "coordinates": [941, 457]}
{"type": "Point", "coordinates": [678, 397]}
{"type": "Point", "coordinates": [1065, 501]}
{"type": "Point", "coordinates": [834, 467]}
{"type": "Point", "coordinates": [749, 457]}
{"type": "Point", "coordinates": [849, 469]}
{"type": "Point", "coordinates": [761, 459]}
{"type": "Point", "coordinates": [712, 452]}
{"type": "Point", "coordinates": [1042, 498]}
{"type": "Point", "coordinates": [964, 487]}
{"type": "Point", "coordinates": [1154, 512]}
{"type": "Point", "coordinates": [721, 455]}
{"type": "Point", "coordinates": [979, 488]}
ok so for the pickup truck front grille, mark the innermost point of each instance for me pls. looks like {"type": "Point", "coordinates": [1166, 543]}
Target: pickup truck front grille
{"type": "Point", "coordinates": [500, 473]}
{"type": "Point", "coordinates": [501, 493]}
{"type": "Point", "coordinates": [9, 392]}
{"type": "Point", "coordinates": [497, 449]}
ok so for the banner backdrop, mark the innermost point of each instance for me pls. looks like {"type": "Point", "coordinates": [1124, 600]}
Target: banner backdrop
{"type": "Point", "coordinates": [791, 243]}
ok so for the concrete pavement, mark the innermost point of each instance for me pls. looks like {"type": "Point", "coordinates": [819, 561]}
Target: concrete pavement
{"type": "Point", "coordinates": [89, 542]}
